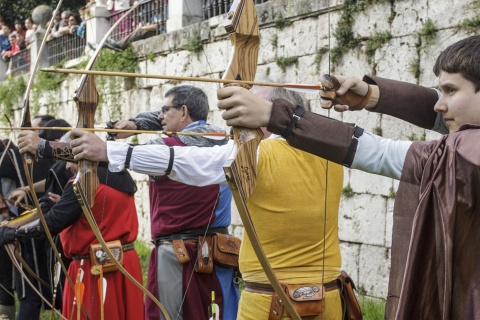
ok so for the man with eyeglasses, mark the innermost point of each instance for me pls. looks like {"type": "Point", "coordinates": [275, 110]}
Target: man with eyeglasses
{"type": "Point", "coordinates": [181, 213]}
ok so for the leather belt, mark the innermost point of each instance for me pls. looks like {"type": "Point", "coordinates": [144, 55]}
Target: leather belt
{"type": "Point", "coordinates": [125, 247]}
{"type": "Point", "coordinates": [166, 242]}
{"type": "Point", "coordinates": [188, 235]}
{"type": "Point", "coordinates": [268, 289]}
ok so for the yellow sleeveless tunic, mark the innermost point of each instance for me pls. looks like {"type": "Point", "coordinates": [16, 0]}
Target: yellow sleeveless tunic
{"type": "Point", "coordinates": [288, 211]}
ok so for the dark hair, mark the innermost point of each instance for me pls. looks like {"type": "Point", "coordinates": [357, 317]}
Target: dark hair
{"type": "Point", "coordinates": [45, 118]}
{"type": "Point", "coordinates": [461, 57]}
{"type": "Point", "coordinates": [52, 135]}
{"type": "Point", "coordinates": [194, 98]}
{"type": "Point", "coordinates": [76, 17]}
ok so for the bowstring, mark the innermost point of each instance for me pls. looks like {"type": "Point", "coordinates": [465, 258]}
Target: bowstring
{"type": "Point", "coordinates": [326, 161]}
{"type": "Point", "coordinates": [179, 312]}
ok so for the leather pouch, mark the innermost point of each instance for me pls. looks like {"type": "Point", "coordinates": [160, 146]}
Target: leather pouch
{"type": "Point", "coordinates": [180, 251]}
{"type": "Point", "coordinates": [204, 262]}
{"type": "Point", "coordinates": [351, 307]}
{"type": "Point", "coordinates": [307, 299]}
{"type": "Point", "coordinates": [225, 250]}
{"type": "Point", "coordinates": [100, 257]}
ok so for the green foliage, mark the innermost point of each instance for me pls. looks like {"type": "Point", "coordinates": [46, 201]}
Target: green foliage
{"type": "Point", "coordinates": [109, 60]}
{"type": "Point", "coordinates": [344, 31]}
{"type": "Point", "coordinates": [22, 9]}
{"type": "Point", "coordinates": [134, 139]}
{"type": "Point", "coordinates": [415, 69]}
{"type": "Point", "coordinates": [347, 191]}
{"type": "Point", "coordinates": [429, 32]}
{"type": "Point", "coordinates": [281, 21]}
{"type": "Point", "coordinates": [378, 131]}
{"type": "Point", "coordinates": [194, 44]}
{"type": "Point", "coordinates": [376, 41]}
{"type": "Point", "coordinates": [372, 310]}
{"type": "Point", "coordinates": [361, 290]}
{"type": "Point", "coordinates": [469, 25]}
{"type": "Point", "coordinates": [423, 137]}
{"type": "Point", "coordinates": [284, 62]}
{"type": "Point", "coordinates": [46, 83]}
{"type": "Point", "coordinates": [11, 91]}
{"type": "Point", "coordinates": [319, 56]}
{"type": "Point", "coordinates": [392, 194]}
{"type": "Point", "coordinates": [151, 56]}
{"type": "Point", "coordinates": [267, 72]}
{"type": "Point", "coordinates": [143, 252]}
{"type": "Point", "coordinates": [275, 41]}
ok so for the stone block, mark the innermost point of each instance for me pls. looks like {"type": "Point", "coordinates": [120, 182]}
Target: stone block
{"type": "Point", "coordinates": [350, 258]}
{"type": "Point", "coordinates": [372, 20]}
{"type": "Point", "coordinates": [389, 222]}
{"type": "Point", "coordinates": [268, 45]}
{"type": "Point", "coordinates": [362, 219]}
{"type": "Point", "coordinates": [396, 59]}
{"type": "Point", "coordinates": [363, 182]}
{"type": "Point", "coordinates": [393, 128]}
{"type": "Point", "coordinates": [374, 270]}
{"type": "Point", "coordinates": [409, 16]}
{"type": "Point", "coordinates": [457, 10]}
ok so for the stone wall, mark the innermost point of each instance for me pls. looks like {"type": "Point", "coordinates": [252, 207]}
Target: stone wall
{"type": "Point", "coordinates": [395, 39]}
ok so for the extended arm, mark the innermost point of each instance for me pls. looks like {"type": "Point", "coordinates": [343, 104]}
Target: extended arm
{"type": "Point", "coordinates": [407, 101]}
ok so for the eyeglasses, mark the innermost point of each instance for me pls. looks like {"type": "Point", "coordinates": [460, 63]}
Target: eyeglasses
{"type": "Point", "coordinates": [166, 108]}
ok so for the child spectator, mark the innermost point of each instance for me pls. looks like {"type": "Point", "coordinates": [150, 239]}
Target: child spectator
{"type": "Point", "coordinates": [30, 29]}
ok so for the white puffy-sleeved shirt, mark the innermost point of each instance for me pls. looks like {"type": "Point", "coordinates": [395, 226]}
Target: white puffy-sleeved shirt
{"type": "Point", "coordinates": [204, 166]}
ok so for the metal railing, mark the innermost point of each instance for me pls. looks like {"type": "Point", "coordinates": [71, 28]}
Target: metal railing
{"type": "Point", "coordinates": [150, 12]}
{"type": "Point", "coordinates": [212, 8]}
{"type": "Point", "coordinates": [20, 62]}
{"type": "Point", "coordinates": [66, 47]}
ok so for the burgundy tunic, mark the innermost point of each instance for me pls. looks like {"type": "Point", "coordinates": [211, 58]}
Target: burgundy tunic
{"type": "Point", "coordinates": [174, 208]}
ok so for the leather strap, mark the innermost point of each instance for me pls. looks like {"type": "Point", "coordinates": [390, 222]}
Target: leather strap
{"type": "Point", "coordinates": [128, 157]}
{"type": "Point", "coordinates": [357, 133]}
{"type": "Point", "coordinates": [170, 162]}
{"type": "Point", "coordinates": [297, 114]}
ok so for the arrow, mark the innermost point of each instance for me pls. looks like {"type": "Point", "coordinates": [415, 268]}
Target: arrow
{"type": "Point", "coordinates": [308, 88]}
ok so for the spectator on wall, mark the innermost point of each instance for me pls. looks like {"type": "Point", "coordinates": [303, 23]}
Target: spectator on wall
{"type": "Point", "coordinates": [30, 30]}
{"type": "Point", "coordinates": [63, 27]}
{"type": "Point", "coordinates": [1, 25]}
{"type": "Point", "coordinates": [4, 42]}
{"type": "Point", "coordinates": [18, 27]}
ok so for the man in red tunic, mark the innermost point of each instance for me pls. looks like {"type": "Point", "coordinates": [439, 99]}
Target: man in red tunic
{"type": "Point", "coordinates": [115, 214]}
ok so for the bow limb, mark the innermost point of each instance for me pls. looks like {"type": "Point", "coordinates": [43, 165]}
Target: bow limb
{"type": "Point", "coordinates": [86, 182]}
{"type": "Point", "coordinates": [86, 98]}
{"type": "Point", "coordinates": [10, 248]}
{"type": "Point", "coordinates": [27, 160]}
{"type": "Point", "coordinates": [240, 169]}
{"type": "Point", "coordinates": [91, 221]}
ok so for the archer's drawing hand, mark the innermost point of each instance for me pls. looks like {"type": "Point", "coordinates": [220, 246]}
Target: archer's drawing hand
{"type": "Point", "coordinates": [347, 93]}
{"type": "Point", "coordinates": [87, 146]}
{"type": "Point", "coordinates": [124, 125]}
{"type": "Point", "coordinates": [243, 108]}
{"type": "Point", "coordinates": [28, 141]}
{"type": "Point", "coordinates": [54, 197]}
{"type": "Point", "coordinates": [18, 195]}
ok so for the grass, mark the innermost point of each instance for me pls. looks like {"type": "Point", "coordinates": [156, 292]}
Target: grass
{"type": "Point", "coordinates": [372, 310]}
